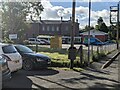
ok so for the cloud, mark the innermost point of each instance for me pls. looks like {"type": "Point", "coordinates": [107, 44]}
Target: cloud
{"type": "Point", "coordinates": [59, 0]}
{"type": "Point", "coordinates": [55, 12]}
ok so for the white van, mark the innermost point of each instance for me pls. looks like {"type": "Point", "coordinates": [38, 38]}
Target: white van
{"type": "Point", "coordinates": [14, 59]}
{"type": "Point", "coordinates": [35, 41]}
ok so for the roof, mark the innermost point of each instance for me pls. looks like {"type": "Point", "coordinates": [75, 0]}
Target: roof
{"type": "Point", "coordinates": [94, 32]}
{"type": "Point", "coordinates": [52, 21]}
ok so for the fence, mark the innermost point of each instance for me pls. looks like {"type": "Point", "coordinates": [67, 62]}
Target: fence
{"type": "Point", "coordinates": [106, 48]}
{"type": "Point", "coordinates": [99, 49]}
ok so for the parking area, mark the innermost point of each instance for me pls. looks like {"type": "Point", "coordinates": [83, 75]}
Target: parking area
{"type": "Point", "coordinates": [55, 78]}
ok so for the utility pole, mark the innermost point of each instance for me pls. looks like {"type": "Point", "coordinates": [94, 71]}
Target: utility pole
{"type": "Point", "coordinates": [89, 33]}
{"type": "Point", "coordinates": [72, 49]}
{"type": "Point", "coordinates": [73, 24]}
{"type": "Point", "coordinates": [118, 26]}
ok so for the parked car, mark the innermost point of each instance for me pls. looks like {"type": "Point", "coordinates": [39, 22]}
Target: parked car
{"type": "Point", "coordinates": [14, 58]}
{"type": "Point", "coordinates": [6, 74]}
{"type": "Point", "coordinates": [35, 41]}
{"type": "Point", "coordinates": [32, 60]}
{"type": "Point", "coordinates": [109, 42]}
{"type": "Point", "coordinates": [93, 41]}
{"type": "Point", "coordinates": [46, 42]}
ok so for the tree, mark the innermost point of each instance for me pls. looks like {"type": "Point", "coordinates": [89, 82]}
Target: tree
{"type": "Point", "coordinates": [87, 28]}
{"type": "Point", "coordinates": [113, 31]}
{"type": "Point", "coordinates": [14, 16]}
{"type": "Point", "coordinates": [34, 9]}
{"type": "Point", "coordinates": [101, 25]}
{"type": "Point", "coordinates": [100, 20]}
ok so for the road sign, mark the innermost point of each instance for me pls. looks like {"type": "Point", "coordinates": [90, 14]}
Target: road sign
{"type": "Point", "coordinates": [12, 36]}
{"type": "Point", "coordinates": [113, 14]}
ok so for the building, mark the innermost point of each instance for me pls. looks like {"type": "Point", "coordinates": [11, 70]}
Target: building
{"type": "Point", "coordinates": [95, 33]}
{"type": "Point", "coordinates": [52, 27]}
{"type": "Point", "coordinates": [0, 35]}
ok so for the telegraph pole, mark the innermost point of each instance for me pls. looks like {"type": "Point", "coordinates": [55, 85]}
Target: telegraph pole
{"type": "Point", "coordinates": [73, 24]}
{"type": "Point", "coordinates": [89, 33]}
{"type": "Point", "coordinates": [72, 49]}
{"type": "Point", "coordinates": [118, 26]}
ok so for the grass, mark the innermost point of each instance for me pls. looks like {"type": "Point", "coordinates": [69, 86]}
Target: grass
{"type": "Point", "coordinates": [59, 57]}
{"type": "Point", "coordinates": [56, 56]}
{"type": "Point", "coordinates": [60, 60]}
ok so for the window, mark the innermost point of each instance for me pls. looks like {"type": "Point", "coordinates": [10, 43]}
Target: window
{"type": "Point", "coordinates": [9, 49]}
{"type": "Point", "coordinates": [43, 28]}
{"type": "Point", "coordinates": [23, 49]}
{"type": "Point", "coordinates": [57, 28]}
{"type": "Point", "coordinates": [48, 28]}
{"type": "Point", "coordinates": [66, 28]}
{"type": "Point", "coordinates": [53, 28]}
{"type": "Point", "coordinates": [32, 39]}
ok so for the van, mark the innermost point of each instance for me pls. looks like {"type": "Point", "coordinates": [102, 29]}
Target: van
{"type": "Point", "coordinates": [35, 41]}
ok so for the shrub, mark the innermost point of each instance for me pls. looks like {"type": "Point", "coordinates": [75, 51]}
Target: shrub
{"type": "Point", "coordinates": [55, 63]}
{"type": "Point", "coordinates": [6, 40]}
{"type": "Point", "coordinates": [97, 56]}
{"type": "Point", "coordinates": [26, 42]}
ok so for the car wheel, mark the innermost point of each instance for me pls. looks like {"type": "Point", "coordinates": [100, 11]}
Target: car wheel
{"type": "Point", "coordinates": [27, 65]}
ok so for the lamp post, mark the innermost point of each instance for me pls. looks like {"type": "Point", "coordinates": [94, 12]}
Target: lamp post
{"type": "Point", "coordinates": [89, 33]}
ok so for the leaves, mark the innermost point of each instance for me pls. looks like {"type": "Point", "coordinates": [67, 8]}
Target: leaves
{"type": "Point", "coordinates": [14, 16]}
{"type": "Point", "coordinates": [101, 25]}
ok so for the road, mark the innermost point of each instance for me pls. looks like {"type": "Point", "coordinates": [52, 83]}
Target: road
{"type": "Point", "coordinates": [89, 78]}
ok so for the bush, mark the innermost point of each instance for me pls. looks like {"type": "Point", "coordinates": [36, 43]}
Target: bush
{"type": "Point", "coordinates": [26, 42]}
{"type": "Point", "coordinates": [97, 56]}
{"type": "Point", "coordinates": [59, 63]}
{"type": "Point", "coordinates": [55, 63]}
{"type": "Point", "coordinates": [6, 40]}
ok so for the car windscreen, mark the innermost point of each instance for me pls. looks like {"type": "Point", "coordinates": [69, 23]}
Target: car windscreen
{"type": "Point", "coordinates": [23, 49]}
{"type": "Point", "coordinates": [9, 49]}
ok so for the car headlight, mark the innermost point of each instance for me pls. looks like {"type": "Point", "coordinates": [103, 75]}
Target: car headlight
{"type": "Point", "coordinates": [39, 59]}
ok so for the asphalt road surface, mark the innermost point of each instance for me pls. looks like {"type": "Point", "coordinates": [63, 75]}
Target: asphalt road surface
{"type": "Point", "coordinates": [48, 78]}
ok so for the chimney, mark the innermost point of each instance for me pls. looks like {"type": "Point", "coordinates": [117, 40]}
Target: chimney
{"type": "Point", "coordinates": [77, 20]}
{"type": "Point", "coordinates": [61, 18]}
{"type": "Point", "coordinates": [40, 18]}
{"type": "Point", "coordinates": [70, 18]}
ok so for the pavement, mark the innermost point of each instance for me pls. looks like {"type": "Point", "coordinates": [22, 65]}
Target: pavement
{"type": "Point", "coordinates": [90, 78]}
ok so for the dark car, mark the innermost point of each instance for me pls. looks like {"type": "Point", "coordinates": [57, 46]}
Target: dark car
{"type": "Point", "coordinates": [32, 60]}
{"type": "Point", "coordinates": [6, 74]}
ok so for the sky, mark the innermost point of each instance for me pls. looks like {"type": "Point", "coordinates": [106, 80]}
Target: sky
{"type": "Point", "coordinates": [54, 9]}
